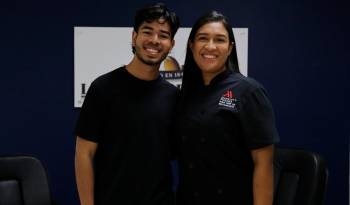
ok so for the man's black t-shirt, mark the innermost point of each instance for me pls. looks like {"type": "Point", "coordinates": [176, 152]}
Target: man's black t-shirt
{"type": "Point", "coordinates": [130, 119]}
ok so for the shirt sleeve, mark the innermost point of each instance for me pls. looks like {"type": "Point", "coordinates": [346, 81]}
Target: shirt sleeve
{"type": "Point", "coordinates": [89, 122]}
{"type": "Point", "coordinates": [257, 120]}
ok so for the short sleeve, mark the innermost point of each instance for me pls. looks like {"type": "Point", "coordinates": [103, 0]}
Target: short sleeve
{"type": "Point", "coordinates": [89, 122]}
{"type": "Point", "coordinates": [258, 120]}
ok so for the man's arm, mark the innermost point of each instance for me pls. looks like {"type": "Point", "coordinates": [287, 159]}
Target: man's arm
{"type": "Point", "coordinates": [84, 170]}
{"type": "Point", "coordinates": [263, 175]}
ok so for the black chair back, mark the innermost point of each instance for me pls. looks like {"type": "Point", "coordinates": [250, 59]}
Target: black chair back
{"type": "Point", "coordinates": [23, 181]}
{"type": "Point", "coordinates": [300, 177]}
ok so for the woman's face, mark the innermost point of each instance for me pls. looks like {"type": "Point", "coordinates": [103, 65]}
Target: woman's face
{"type": "Point", "coordinates": [211, 48]}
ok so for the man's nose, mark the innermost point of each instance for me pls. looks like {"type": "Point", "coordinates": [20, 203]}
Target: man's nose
{"type": "Point", "coordinates": [155, 39]}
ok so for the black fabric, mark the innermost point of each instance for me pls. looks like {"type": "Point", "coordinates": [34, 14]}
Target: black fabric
{"type": "Point", "coordinates": [130, 119]}
{"type": "Point", "coordinates": [287, 188]}
{"type": "Point", "coordinates": [300, 177]}
{"type": "Point", "coordinates": [220, 125]}
{"type": "Point", "coordinates": [10, 192]}
{"type": "Point", "coordinates": [25, 178]}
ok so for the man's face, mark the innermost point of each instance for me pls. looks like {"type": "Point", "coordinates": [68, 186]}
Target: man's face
{"type": "Point", "coordinates": [152, 42]}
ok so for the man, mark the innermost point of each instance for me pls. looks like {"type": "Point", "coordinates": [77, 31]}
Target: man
{"type": "Point", "coordinates": [122, 147]}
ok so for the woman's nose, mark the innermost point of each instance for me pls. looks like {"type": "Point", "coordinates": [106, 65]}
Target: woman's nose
{"type": "Point", "coordinates": [210, 45]}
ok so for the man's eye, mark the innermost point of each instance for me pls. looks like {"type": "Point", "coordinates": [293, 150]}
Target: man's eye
{"type": "Point", "coordinates": [147, 32]}
{"type": "Point", "coordinates": [164, 36]}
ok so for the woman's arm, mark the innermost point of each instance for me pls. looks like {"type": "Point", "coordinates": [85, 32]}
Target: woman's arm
{"type": "Point", "coordinates": [263, 175]}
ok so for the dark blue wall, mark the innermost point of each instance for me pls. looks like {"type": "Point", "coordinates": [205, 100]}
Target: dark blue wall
{"type": "Point", "coordinates": [297, 49]}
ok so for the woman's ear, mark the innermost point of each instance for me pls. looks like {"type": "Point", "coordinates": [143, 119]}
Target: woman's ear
{"type": "Point", "coordinates": [230, 48]}
{"type": "Point", "coordinates": [190, 44]}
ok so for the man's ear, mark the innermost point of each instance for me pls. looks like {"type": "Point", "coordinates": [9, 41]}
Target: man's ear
{"type": "Point", "coordinates": [133, 40]}
{"type": "Point", "coordinates": [172, 43]}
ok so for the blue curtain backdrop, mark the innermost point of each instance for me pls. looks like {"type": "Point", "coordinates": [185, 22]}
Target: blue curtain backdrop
{"type": "Point", "coordinates": [297, 49]}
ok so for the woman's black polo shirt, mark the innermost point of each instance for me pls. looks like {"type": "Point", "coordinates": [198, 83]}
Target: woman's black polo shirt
{"type": "Point", "coordinates": [220, 125]}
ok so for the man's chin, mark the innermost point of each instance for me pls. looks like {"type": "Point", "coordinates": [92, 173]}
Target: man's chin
{"type": "Point", "coordinates": [154, 62]}
{"type": "Point", "coordinates": [151, 61]}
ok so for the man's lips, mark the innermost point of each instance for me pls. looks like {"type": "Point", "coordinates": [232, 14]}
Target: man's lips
{"type": "Point", "coordinates": [152, 50]}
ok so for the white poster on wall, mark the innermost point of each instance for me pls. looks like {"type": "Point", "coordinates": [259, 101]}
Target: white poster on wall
{"type": "Point", "coordinates": [98, 50]}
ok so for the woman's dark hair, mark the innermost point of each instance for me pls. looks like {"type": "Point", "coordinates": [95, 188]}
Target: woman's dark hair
{"type": "Point", "coordinates": [192, 75]}
{"type": "Point", "coordinates": [153, 13]}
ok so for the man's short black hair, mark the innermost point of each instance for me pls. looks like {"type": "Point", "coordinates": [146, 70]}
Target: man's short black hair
{"type": "Point", "coordinates": [155, 12]}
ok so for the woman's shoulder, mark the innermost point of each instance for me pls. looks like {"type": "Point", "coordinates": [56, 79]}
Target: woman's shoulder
{"type": "Point", "coordinates": [247, 83]}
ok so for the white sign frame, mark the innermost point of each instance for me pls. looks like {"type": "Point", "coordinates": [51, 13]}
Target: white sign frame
{"type": "Point", "coordinates": [98, 50]}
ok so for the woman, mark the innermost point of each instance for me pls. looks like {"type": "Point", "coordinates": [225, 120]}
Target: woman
{"type": "Point", "coordinates": [226, 124]}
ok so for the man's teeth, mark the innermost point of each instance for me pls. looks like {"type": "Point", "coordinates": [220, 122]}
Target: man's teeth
{"type": "Point", "coordinates": [152, 50]}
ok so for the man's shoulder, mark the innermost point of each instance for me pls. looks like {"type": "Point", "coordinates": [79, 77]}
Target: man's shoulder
{"type": "Point", "coordinates": [107, 79]}
{"type": "Point", "coordinates": [169, 86]}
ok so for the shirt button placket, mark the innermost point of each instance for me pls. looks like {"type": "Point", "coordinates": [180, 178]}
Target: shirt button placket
{"type": "Point", "coordinates": [220, 191]}
{"type": "Point", "coordinates": [183, 137]}
{"type": "Point", "coordinates": [196, 194]}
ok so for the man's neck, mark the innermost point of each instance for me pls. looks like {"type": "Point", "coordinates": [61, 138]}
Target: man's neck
{"type": "Point", "coordinates": [142, 71]}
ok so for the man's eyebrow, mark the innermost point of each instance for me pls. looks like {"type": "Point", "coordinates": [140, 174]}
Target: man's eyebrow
{"type": "Point", "coordinates": [150, 28]}
{"type": "Point", "coordinates": [147, 27]}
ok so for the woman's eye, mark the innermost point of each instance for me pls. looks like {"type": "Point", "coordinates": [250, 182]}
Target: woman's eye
{"type": "Point", "coordinates": [221, 40]}
{"type": "Point", "coordinates": [202, 38]}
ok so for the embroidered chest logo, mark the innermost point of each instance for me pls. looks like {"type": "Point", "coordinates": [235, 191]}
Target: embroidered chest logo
{"type": "Point", "coordinates": [229, 100]}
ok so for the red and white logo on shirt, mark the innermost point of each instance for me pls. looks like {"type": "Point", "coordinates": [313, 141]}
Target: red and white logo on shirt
{"type": "Point", "coordinates": [228, 94]}
{"type": "Point", "coordinates": [228, 100]}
